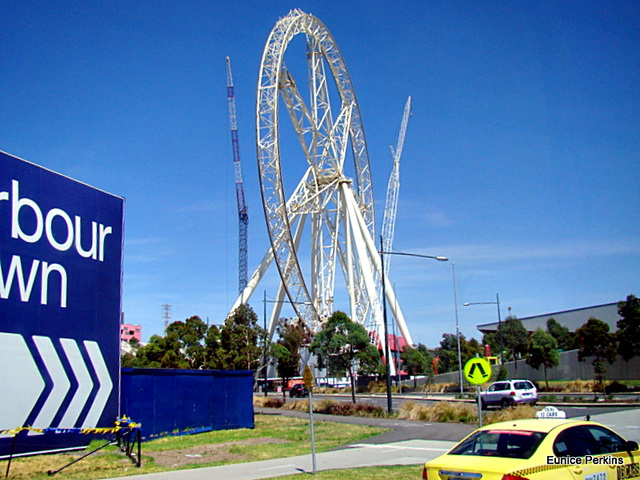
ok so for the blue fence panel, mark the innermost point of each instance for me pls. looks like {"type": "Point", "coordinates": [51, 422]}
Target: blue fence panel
{"type": "Point", "coordinates": [167, 401]}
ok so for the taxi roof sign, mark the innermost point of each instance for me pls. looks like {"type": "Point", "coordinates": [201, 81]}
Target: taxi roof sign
{"type": "Point", "coordinates": [477, 371]}
{"type": "Point", "coordinates": [551, 412]}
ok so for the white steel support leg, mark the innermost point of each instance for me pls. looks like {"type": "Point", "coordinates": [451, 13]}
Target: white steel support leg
{"type": "Point", "coordinates": [349, 255]}
{"type": "Point", "coordinates": [390, 294]}
{"type": "Point", "coordinates": [254, 280]}
{"type": "Point", "coordinates": [365, 264]}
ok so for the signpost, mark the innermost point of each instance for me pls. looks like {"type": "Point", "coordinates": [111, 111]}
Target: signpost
{"type": "Point", "coordinates": [307, 378]}
{"type": "Point", "coordinates": [60, 289]}
{"type": "Point", "coordinates": [477, 371]}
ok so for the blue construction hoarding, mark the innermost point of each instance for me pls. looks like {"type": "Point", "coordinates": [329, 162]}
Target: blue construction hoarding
{"type": "Point", "coordinates": [167, 401]}
{"type": "Point", "coordinates": [60, 302]}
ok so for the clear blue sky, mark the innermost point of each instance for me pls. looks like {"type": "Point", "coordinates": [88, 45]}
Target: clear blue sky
{"type": "Point", "coordinates": [520, 162]}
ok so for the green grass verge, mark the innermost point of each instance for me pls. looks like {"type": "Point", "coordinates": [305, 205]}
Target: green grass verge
{"type": "Point", "coordinates": [272, 437]}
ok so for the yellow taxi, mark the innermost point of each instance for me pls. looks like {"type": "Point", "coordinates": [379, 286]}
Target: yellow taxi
{"type": "Point", "coordinates": [539, 449]}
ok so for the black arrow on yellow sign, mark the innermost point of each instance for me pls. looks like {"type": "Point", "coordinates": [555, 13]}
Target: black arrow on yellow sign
{"type": "Point", "coordinates": [479, 367]}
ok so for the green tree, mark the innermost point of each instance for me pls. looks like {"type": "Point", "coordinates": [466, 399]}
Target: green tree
{"type": "Point", "coordinates": [629, 328]}
{"type": "Point", "coordinates": [213, 351]}
{"type": "Point", "coordinates": [429, 372]}
{"type": "Point", "coordinates": [161, 352]}
{"type": "Point", "coordinates": [339, 345]}
{"type": "Point", "coordinates": [543, 351]}
{"type": "Point", "coordinates": [415, 363]}
{"type": "Point", "coordinates": [239, 336]}
{"type": "Point", "coordinates": [515, 338]}
{"type": "Point", "coordinates": [470, 349]}
{"type": "Point", "coordinates": [596, 341]}
{"type": "Point", "coordinates": [292, 336]}
{"type": "Point", "coordinates": [190, 335]}
{"type": "Point", "coordinates": [128, 359]}
{"type": "Point", "coordinates": [493, 340]}
{"type": "Point", "coordinates": [563, 336]}
{"type": "Point", "coordinates": [447, 353]}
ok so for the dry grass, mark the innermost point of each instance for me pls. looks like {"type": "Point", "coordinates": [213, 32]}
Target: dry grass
{"type": "Point", "coordinates": [461, 413]}
{"type": "Point", "coordinates": [440, 412]}
{"type": "Point", "coordinates": [439, 387]}
{"type": "Point", "coordinates": [512, 413]}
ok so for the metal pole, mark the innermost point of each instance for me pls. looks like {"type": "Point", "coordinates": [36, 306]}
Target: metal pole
{"type": "Point", "coordinates": [455, 303]}
{"type": "Point", "coordinates": [479, 407]}
{"type": "Point", "coordinates": [500, 330]}
{"type": "Point", "coordinates": [313, 437]}
{"type": "Point", "coordinates": [386, 333]}
{"type": "Point", "coordinates": [264, 303]}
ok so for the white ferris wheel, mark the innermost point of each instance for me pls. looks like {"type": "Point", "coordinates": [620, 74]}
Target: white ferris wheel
{"type": "Point", "coordinates": [326, 223]}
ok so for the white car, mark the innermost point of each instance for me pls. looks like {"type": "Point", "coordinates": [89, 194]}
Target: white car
{"type": "Point", "coordinates": [507, 393]}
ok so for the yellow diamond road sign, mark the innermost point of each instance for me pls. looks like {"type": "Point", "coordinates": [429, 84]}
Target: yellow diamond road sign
{"type": "Point", "coordinates": [477, 371]}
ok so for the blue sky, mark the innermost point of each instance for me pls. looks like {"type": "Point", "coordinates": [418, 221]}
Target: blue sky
{"type": "Point", "coordinates": [520, 161]}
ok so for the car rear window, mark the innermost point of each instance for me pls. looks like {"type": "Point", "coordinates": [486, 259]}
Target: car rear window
{"type": "Point", "coordinates": [500, 443]}
{"type": "Point", "coordinates": [523, 385]}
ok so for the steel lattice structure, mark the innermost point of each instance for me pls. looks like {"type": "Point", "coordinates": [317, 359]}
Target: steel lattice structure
{"type": "Point", "coordinates": [393, 189]}
{"type": "Point", "coordinates": [338, 210]}
{"type": "Point", "coordinates": [243, 215]}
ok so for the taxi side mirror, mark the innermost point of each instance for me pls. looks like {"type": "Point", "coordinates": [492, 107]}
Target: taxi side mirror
{"type": "Point", "coordinates": [630, 446]}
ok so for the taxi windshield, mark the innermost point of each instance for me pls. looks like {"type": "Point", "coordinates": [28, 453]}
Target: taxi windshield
{"type": "Point", "coordinates": [500, 443]}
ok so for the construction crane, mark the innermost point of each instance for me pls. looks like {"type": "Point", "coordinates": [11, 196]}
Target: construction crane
{"type": "Point", "coordinates": [391, 205]}
{"type": "Point", "coordinates": [243, 216]}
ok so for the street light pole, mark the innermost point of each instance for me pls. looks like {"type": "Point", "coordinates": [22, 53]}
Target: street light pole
{"type": "Point", "coordinates": [455, 303]}
{"type": "Point", "coordinates": [266, 367]}
{"type": "Point", "coordinates": [500, 330]}
{"type": "Point", "coordinates": [497, 303]}
{"type": "Point", "coordinates": [387, 369]}
{"type": "Point", "coordinates": [384, 315]}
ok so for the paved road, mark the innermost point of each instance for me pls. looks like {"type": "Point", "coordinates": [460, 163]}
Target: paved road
{"type": "Point", "coordinates": [573, 410]}
{"type": "Point", "coordinates": [410, 443]}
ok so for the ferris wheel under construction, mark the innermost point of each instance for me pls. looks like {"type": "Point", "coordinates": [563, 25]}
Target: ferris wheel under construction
{"type": "Point", "coordinates": [326, 223]}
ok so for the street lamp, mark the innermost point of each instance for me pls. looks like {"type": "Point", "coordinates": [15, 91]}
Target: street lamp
{"type": "Point", "coordinates": [387, 353]}
{"type": "Point", "coordinates": [497, 302]}
{"type": "Point", "coordinates": [455, 304]}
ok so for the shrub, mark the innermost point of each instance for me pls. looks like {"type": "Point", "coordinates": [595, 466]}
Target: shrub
{"type": "Point", "coordinates": [616, 387]}
{"type": "Point", "coordinates": [582, 386]}
{"type": "Point", "coordinates": [440, 412]}
{"type": "Point", "coordinates": [297, 405]}
{"type": "Point", "coordinates": [268, 402]}
{"type": "Point", "coordinates": [513, 413]}
{"type": "Point", "coordinates": [368, 410]}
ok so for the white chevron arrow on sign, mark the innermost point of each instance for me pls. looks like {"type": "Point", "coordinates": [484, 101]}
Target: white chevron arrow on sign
{"type": "Point", "coordinates": [59, 378]}
{"type": "Point", "coordinates": [106, 385]}
{"type": "Point", "coordinates": [20, 381]}
{"type": "Point", "coordinates": [85, 384]}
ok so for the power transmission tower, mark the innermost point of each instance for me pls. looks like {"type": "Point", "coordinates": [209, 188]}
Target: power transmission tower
{"type": "Point", "coordinates": [166, 314]}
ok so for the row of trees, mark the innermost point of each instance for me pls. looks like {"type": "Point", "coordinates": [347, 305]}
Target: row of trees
{"type": "Point", "coordinates": [342, 346]}
{"type": "Point", "coordinates": [345, 349]}
{"type": "Point", "coordinates": [192, 344]}
{"type": "Point", "coordinates": [593, 340]}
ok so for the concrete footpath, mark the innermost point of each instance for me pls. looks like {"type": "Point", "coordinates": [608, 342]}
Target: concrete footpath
{"type": "Point", "coordinates": [409, 443]}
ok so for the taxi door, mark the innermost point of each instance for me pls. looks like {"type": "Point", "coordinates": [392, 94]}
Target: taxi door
{"type": "Point", "coordinates": [594, 452]}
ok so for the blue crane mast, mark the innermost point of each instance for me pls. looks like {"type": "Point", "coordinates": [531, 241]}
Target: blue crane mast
{"type": "Point", "coordinates": [243, 216]}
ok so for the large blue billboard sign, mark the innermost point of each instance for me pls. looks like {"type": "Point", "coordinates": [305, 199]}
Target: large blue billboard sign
{"type": "Point", "coordinates": [60, 290]}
